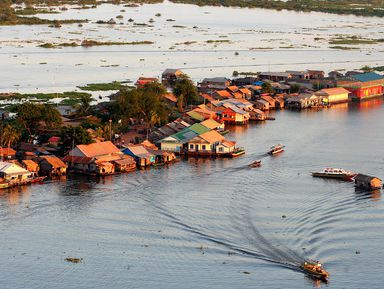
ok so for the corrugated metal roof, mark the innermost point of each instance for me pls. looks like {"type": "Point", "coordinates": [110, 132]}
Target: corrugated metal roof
{"type": "Point", "coordinates": [10, 169]}
{"type": "Point", "coordinates": [198, 128]}
{"type": "Point", "coordinates": [332, 91]}
{"type": "Point", "coordinates": [97, 149]}
{"type": "Point", "coordinates": [210, 123]}
{"type": "Point", "coordinates": [365, 77]}
{"type": "Point", "coordinates": [195, 115]}
{"type": "Point", "coordinates": [54, 161]}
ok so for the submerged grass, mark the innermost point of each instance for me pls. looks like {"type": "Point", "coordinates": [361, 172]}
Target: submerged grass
{"type": "Point", "coordinates": [114, 85]}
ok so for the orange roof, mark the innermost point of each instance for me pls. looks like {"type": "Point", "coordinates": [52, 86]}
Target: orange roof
{"type": "Point", "coordinates": [237, 95]}
{"type": "Point", "coordinates": [170, 97]}
{"type": "Point", "coordinates": [78, 160]}
{"type": "Point", "coordinates": [224, 93]}
{"type": "Point", "coordinates": [233, 88]}
{"type": "Point", "coordinates": [245, 90]}
{"type": "Point", "coordinates": [147, 144]}
{"type": "Point", "coordinates": [7, 151]}
{"type": "Point", "coordinates": [207, 96]}
{"type": "Point", "coordinates": [30, 165]}
{"type": "Point", "coordinates": [98, 149]}
{"type": "Point", "coordinates": [54, 161]}
{"type": "Point", "coordinates": [228, 143]}
{"type": "Point", "coordinates": [210, 123]}
{"type": "Point", "coordinates": [332, 91]}
{"type": "Point", "coordinates": [212, 136]}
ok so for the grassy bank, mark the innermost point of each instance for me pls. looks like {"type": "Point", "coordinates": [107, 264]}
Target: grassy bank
{"type": "Point", "coordinates": [89, 43]}
{"type": "Point", "coordinates": [355, 7]}
{"type": "Point", "coordinates": [114, 85]}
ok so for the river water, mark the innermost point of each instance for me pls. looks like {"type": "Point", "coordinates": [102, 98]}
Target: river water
{"type": "Point", "coordinates": [211, 223]}
{"type": "Point", "coordinates": [265, 40]}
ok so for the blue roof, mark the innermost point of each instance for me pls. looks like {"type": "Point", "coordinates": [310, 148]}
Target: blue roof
{"type": "Point", "coordinates": [365, 77]}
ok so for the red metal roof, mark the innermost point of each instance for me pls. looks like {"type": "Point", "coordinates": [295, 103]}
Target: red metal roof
{"type": "Point", "coordinates": [7, 151]}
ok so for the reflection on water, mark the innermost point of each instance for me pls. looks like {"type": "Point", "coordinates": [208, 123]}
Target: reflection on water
{"type": "Point", "coordinates": [16, 196]}
{"type": "Point", "coordinates": [262, 221]}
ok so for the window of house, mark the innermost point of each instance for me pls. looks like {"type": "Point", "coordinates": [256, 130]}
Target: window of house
{"type": "Point", "coordinates": [191, 146]}
{"type": "Point", "coordinates": [204, 147]}
{"type": "Point", "coordinates": [221, 149]}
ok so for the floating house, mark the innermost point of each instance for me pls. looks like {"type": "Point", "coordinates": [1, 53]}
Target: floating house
{"type": "Point", "coordinates": [262, 104]}
{"type": "Point", "coordinates": [177, 142]}
{"type": "Point", "coordinates": [333, 95]}
{"type": "Point", "coordinates": [13, 174]}
{"type": "Point", "coordinates": [51, 166]}
{"type": "Point", "coordinates": [205, 144]}
{"type": "Point", "coordinates": [98, 159]}
{"type": "Point", "coordinates": [30, 166]}
{"type": "Point", "coordinates": [363, 86]}
{"type": "Point", "coordinates": [234, 115]}
{"type": "Point", "coordinates": [367, 182]}
{"type": "Point", "coordinates": [213, 125]}
{"type": "Point", "coordinates": [141, 155]}
{"type": "Point", "coordinates": [303, 100]}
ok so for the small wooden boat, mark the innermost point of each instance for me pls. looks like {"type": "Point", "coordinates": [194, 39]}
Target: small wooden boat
{"type": "Point", "coordinates": [237, 152]}
{"type": "Point", "coordinates": [315, 269]}
{"type": "Point", "coordinates": [255, 164]}
{"type": "Point", "coordinates": [276, 149]}
{"type": "Point", "coordinates": [333, 173]}
{"type": "Point", "coordinates": [38, 180]}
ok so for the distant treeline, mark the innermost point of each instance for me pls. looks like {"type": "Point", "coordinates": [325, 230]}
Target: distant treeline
{"type": "Point", "coordinates": [12, 11]}
{"type": "Point", "coordinates": [355, 7]}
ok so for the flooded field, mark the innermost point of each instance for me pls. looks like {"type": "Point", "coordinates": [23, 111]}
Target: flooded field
{"type": "Point", "coordinates": [211, 223]}
{"type": "Point", "coordinates": [202, 41]}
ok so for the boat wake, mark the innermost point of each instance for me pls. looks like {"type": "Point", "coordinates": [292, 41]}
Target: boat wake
{"type": "Point", "coordinates": [256, 246]}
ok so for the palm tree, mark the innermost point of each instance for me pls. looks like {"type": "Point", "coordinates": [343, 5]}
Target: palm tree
{"type": "Point", "coordinates": [10, 135]}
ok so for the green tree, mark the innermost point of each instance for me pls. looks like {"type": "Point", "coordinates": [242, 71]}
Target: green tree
{"type": "Point", "coordinates": [31, 116]}
{"type": "Point", "coordinates": [84, 107]}
{"type": "Point", "coordinates": [267, 88]}
{"type": "Point", "coordinates": [10, 135]}
{"type": "Point", "coordinates": [146, 103]}
{"type": "Point", "coordinates": [7, 14]}
{"type": "Point", "coordinates": [295, 88]}
{"type": "Point", "coordinates": [72, 136]}
{"type": "Point", "coordinates": [185, 88]}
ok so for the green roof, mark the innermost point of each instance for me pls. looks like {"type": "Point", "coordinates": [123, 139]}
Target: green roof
{"type": "Point", "coordinates": [198, 128]}
{"type": "Point", "coordinates": [195, 115]}
{"type": "Point", "coordinates": [365, 77]}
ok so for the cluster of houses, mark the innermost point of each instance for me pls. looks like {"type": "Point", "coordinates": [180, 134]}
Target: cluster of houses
{"type": "Point", "coordinates": [198, 132]}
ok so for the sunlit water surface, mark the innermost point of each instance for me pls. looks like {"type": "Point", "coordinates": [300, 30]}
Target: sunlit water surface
{"type": "Point", "coordinates": [211, 223]}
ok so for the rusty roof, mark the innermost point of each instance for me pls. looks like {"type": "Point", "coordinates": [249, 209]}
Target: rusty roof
{"type": "Point", "coordinates": [54, 161]}
{"type": "Point", "coordinates": [30, 165]}
{"type": "Point", "coordinates": [78, 160]}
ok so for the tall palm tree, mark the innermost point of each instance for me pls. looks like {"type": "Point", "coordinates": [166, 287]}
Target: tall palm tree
{"type": "Point", "coordinates": [10, 135]}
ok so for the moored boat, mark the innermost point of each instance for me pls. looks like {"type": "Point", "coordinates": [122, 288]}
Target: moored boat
{"type": "Point", "coordinates": [276, 149]}
{"type": "Point", "coordinates": [315, 269]}
{"type": "Point", "coordinates": [237, 152]}
{"type": "Point", "coordinates": [335, 173]}
{"type": "Point", "coordinates": [255, 164]}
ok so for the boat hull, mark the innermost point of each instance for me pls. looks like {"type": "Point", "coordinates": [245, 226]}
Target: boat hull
{"type": "Point", "coordinates": [345, 177]}
{"type": "Point", "coordinates": [275, 152]}
{"type": "Point", "coordinates": [317, 275]}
